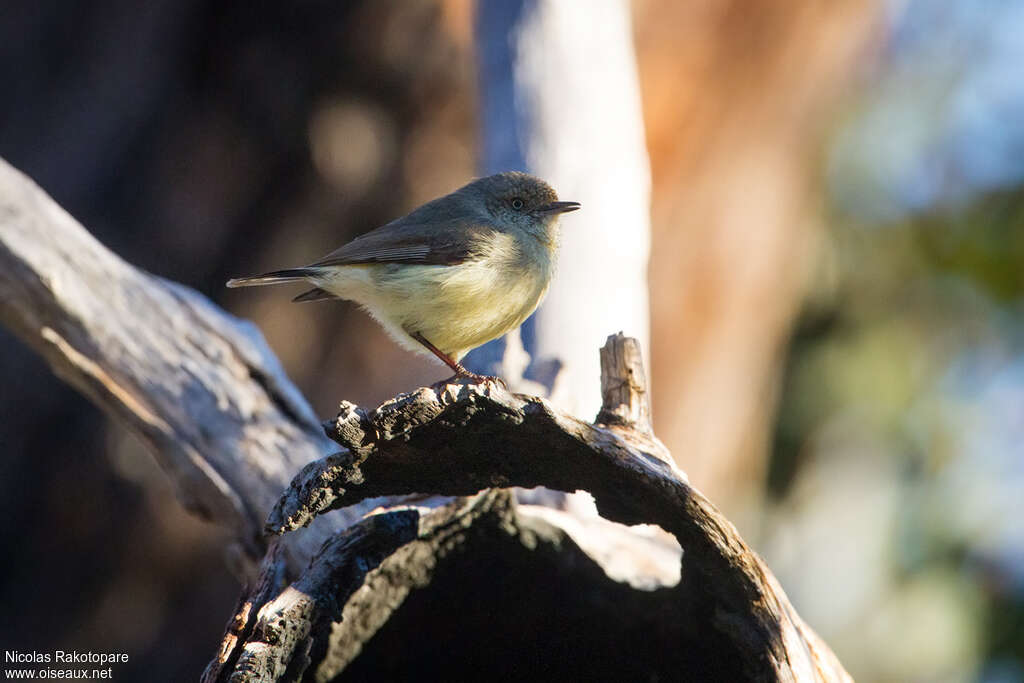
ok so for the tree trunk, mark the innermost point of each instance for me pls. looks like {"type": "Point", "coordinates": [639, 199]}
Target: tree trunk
{"type": "Point", "coordinates": [559, 97]}
{"type": "Point", "coordinates": [738, 95]}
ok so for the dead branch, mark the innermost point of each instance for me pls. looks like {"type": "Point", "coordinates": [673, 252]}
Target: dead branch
{"type": "Point", "coordinates": [199, 386]}
{"type": "Point", "coordinates": [460, 439]}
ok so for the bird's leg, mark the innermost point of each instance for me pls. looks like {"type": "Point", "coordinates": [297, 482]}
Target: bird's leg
{"type": "Point", "coordinates": [460, 370]}
{"type": "Point", "coordinates": [457, 367]}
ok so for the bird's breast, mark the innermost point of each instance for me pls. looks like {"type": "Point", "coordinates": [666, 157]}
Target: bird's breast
{"type": "Point", "coordinates": [503, 285]}
{"type": "Point", "coordinates": [456, 307]}
{"type": "Point", "coordinates": [469, 304]}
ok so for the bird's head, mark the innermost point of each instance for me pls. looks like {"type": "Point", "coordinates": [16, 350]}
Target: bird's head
{"type": "Point", "coordinates": [519, 201]}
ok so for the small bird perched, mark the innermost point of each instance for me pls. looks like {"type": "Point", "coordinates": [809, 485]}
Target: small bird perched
{"type": "Point", "coordinates": [452, 275]}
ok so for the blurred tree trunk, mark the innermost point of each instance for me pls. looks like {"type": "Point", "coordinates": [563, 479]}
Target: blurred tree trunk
{"type": "Point", "coordinates": [560, 99]}
{"type": "Point", "coordinates": [736, 97]}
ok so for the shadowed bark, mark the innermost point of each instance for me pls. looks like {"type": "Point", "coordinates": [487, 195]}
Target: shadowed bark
{"type": "Point", "coordinates": [454, 439]}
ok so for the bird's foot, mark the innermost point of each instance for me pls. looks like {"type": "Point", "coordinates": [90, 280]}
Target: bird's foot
{"type": "Point", "coordinates": [473, 377]}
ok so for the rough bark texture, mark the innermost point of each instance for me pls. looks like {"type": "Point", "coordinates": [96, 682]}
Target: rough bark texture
{"type": "Point", "coordinates": [292, 629]}
{"type": "Point", "coordinates": [460, 439]}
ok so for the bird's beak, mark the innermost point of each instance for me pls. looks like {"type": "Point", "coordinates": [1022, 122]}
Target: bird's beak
{"type": "Point", "coordinates": [558, 207]}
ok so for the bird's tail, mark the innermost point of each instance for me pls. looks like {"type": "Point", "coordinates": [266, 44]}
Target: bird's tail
{"type": "Point", "coordinates": [273, 278]}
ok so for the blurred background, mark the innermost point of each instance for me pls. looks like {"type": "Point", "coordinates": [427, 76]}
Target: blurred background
{"type": "Point", "coordinates": [836, 287]}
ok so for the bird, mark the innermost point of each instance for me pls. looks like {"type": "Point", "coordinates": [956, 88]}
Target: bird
{"type": "Point", "coordinates": [453, 274]}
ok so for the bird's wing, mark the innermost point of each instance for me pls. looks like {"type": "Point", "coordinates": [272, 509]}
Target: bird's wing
{"type": "Point", "coordinates": [447, 240]}
{"type": "Point", "coordinates": [315, 294]}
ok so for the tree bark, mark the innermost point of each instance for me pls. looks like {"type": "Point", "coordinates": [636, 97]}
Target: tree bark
{"type": "Point", "coordinates": [459, 440]}
{"type": "Point", "coordinates": [198, 386]}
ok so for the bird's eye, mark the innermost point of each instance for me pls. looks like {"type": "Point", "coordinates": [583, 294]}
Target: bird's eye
{"type": "Point", "coordinates": [517, 203]}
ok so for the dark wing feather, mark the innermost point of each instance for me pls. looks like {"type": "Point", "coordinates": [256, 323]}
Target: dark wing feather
{"type": "Point", "coordinates": [315, 294]}
{"type": "Point", "coordinates": [431, 235]}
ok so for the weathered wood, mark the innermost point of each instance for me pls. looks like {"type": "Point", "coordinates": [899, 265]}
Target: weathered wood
{"type": "Point", "coordinates": [456, 439]}
{"type": "Point", "coordinates": [409, 568]}
{"type": "Point", "coordinates": [298, 620]}
{"type": "Point", "coordinates": [624, 398]}
{"type": "Point", "coordinates": [199, 386]}
{"type": "Point", "coordinates": [505, 595]}
{"type": "Point", "coordinates": [272, 579]}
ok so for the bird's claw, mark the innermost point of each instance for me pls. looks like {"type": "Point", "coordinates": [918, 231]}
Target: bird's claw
{"type": "Point", "coordinates": [497, 380]}
{"type": "Point", "coordinates": [478, 379]}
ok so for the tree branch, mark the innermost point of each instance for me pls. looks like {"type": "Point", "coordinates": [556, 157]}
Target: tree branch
{"type": "Point", "coordinates": [298, 620]}
{"type": "Point", "coordinates": [459, 439]}
{"type": "Point", "coordinates": [199, 386]}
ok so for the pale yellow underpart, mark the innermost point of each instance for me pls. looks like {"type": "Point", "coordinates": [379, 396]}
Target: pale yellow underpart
{"type": "Point", "coordinates": [457, 308]}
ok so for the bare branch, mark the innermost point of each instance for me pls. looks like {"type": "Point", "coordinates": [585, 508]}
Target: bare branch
{"type": "Point", "coordinates": [459, 439]}
{"type": "Point", "coordinates": [199, 386]}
